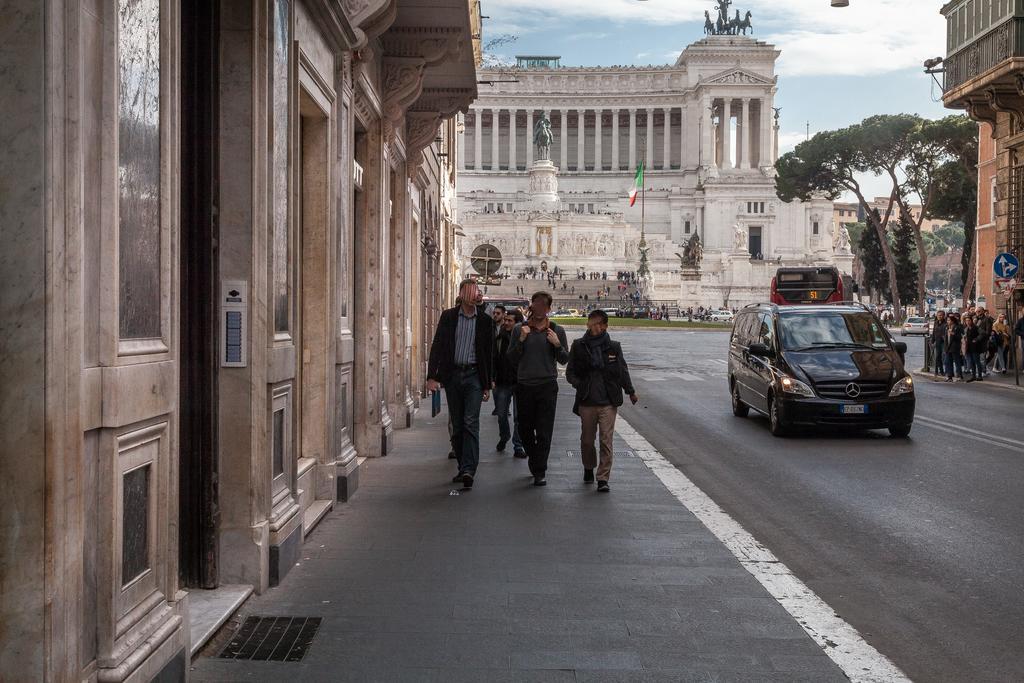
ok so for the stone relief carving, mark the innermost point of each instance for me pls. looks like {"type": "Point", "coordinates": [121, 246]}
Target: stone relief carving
{"type": "Point", "coordinates": [740, 241]}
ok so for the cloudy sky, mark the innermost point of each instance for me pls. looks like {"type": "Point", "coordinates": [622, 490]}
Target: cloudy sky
{"type": "Point", "coordinates": [838, 65]}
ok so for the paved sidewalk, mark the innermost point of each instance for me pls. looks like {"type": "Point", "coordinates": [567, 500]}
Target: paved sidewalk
{"type": "Point", "coordinates": [509, 582]}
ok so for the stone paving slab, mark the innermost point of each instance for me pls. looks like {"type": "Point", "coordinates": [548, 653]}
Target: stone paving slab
{"type": "Point", "coordinates": [418, 580]}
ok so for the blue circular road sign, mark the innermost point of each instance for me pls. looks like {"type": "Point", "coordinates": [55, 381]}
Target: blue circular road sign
{"type": "Point", "coordinates": [1005, 266]}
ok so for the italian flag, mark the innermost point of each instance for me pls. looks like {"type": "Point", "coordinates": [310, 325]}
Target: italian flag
{"type": "Point", "coordinates": [638, 184]}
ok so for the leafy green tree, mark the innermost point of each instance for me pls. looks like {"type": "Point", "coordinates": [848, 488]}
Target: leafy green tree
{"type": "Point", "coordinates": [829, 164]}
{"type": "Point", "coordinates": [934, 148]}
{"type": "Point", "coordinates": [956, 199]}
{"type": "Point", "coordinates": [874, 275]}
{"type": "Point", "coordinates": [904, 248]}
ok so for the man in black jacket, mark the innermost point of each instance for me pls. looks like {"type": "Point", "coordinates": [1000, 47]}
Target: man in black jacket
{"type": "Point", "coordinates": [938, 340]}
{"type": "Point", "coordinates": [537, 345]}
{"type": "Point", "coordinates": [598, 371]}
{"type": "Point", "coordinates": [461, 358]}
{"type": "Point", "coordinates": [505, 384]}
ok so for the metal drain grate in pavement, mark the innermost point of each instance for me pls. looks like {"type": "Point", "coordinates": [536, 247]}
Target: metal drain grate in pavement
{"type": "Point", "coordinates": [624, 453]}
{"type": "Point", "coordinates": [275, 639]}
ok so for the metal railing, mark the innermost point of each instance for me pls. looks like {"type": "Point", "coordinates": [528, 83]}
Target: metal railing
{"type": "Point", "coordinates": [976, 57]}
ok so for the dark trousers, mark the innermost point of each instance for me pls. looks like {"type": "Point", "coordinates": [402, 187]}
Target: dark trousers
{"type": "Point", "coordinates": [464, 398]}
{"type": "Point", "coordinates": [939, 353]}
{"type": "Point", "coordinates": [504, 404]}
{"type": "Point", "coordinates": [537, 405]}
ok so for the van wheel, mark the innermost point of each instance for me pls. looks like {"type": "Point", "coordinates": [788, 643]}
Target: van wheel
{"type": "Point", "coordinates": [900, 431]}
{"type": "Point", "coordinates": [739, 408]}
{"type": "Point", "coordinates": [775, 423]}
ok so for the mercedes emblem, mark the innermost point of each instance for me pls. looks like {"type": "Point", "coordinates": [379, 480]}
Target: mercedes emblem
{"type": "Point", "coordinates": [853, 390]}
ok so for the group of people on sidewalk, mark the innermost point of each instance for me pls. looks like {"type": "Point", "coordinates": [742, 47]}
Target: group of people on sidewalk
{"type": "Point", "coordinates": [967, 347]}
{"type": "Point", "coordinates": [516, 354]}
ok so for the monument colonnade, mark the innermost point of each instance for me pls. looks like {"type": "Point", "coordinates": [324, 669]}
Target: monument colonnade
{"type": "Point", "coordinates": [750, 117]}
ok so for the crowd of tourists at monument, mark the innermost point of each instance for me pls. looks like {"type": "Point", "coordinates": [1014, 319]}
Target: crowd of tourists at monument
{"type": "Point", "coordinates": [515, 355]}
{"type": "Point", "coordinates": [969, 346]}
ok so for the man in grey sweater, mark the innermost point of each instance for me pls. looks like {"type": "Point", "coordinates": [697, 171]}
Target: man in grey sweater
{"type": "Point", "coordinates": [537, 345]}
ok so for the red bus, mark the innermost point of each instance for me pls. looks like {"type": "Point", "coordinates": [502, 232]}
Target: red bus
{"type": "Point", "coordinates": [810, 286]}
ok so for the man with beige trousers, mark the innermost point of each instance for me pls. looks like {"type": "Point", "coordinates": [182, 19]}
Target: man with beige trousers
{"type": "Point", "coordinates": [598, 371]}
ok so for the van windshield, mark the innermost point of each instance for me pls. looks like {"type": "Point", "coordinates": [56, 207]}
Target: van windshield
{"type": "Point", "coordinates": [820, 330]}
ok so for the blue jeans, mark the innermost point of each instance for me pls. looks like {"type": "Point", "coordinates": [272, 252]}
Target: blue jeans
{"type": "Point", "coordinates": [939, 353]}
{"type": "Point", "coordinates": [502, 402]}
{"type": "Point", "coordinates": [464, 398]}
{"type": "Point", "coordinates": [972, 364]}
{"type": "Point", "coordinates": [954, 361]}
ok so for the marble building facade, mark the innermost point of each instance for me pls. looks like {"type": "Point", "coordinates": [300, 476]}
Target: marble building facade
{"type": "Point", "coordinates": [707, 133]}
{"type": "Point", "coordinates": [228, 228]}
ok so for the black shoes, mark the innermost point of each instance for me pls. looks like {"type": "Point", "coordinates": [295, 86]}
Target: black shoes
{"type": "Point", "coordinates": [457, 478]}
{"type": "Point", "coordinates": [603, 487]}
{"type": "Point", "coordinates": [540, 481]}
{"type": "Point", "coordinates": [588, 476]}
{"type": "Point", "coordinates": [467, 481]}
{"type": "Point", "coordinates": [451, 455]}
{"type": "Point", "coordinates": [520, 454]}
{"type": "Point", "coordinates": [501, 445]}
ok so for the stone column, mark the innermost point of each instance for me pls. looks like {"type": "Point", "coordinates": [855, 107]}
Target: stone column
{"type": "Point", "coordinates": [632, 139]}
{"type": "Point", "coordinates": [512, 115]}
{"type": "Point", "coordinates": [478, 140]}
{"type": "Point", "coordinates": [461, 140]}
{"type": "Point", "coordinates": [367, 309]}
{"type": "Point", "coordinates": [726, 133]}
{"type": "Point", "coordinates": [682, 136]}
{"type": "Point", "coordinates": [495, 128]}
{"type": "Point", "coordinates": [764, 133]}
{"type": "Point", "coordinates": [650, 139]}
{"type": "Point", "coordinates": [667, 142]}
{"type": "Point", "coordinates": [581, 117]}
{"type": "Point", "coordinates": [745, 144]}
{"type": "Point", "coordinates": [615, 140]}
{"type": "Point", "coordinates": [598, 140]}
{"type": "Point", "coordinates": [529, 138]}
{"type": "Point", "coordinates": [564, 156]}
{"type": "Point", "coordinates": [707, 157]}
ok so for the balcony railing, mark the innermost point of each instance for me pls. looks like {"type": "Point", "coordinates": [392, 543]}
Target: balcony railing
{"type": "Point", "coordinates": [1004, 41]}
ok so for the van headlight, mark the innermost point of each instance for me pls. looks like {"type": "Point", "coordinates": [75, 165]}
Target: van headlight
{"type": "Point", "coordinates": [795, 387]}
{"type": "Point", "coordinates": [904, 386]}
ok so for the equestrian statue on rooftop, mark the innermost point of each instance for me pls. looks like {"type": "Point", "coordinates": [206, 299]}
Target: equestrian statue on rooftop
{"type": "Point", "coordinates": [724, 26]}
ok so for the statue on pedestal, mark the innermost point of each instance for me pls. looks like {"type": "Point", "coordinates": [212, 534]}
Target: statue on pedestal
{"type": "Point", "coordinates": [543, 137]}
{"type": "Point", "coordinates": [740, 241]}
{"type": "Point", "coordinates": [843, 242]}
{"type": "Point", "coordinates": [692, 254]}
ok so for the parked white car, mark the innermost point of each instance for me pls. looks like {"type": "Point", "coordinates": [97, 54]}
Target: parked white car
{"type": "Point", "coordinates": [915, 325]}
{"type": "Point", "coordinates": [721, 316]}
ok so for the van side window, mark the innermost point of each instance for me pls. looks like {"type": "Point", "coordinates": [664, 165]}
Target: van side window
{"type": "Point", "coordinates": [766, 331]}
{"type": "Point", "coordinates": [741, 328]}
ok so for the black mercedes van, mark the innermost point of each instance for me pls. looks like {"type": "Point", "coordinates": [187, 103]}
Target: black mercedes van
{"type": "Point", "coordinates": [829, 365]}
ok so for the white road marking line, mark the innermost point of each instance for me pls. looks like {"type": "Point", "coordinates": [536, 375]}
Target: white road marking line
{"type": "Point", "coordinates": [840, 641]}
{"type": "Point", "coordinates": [995, 440]}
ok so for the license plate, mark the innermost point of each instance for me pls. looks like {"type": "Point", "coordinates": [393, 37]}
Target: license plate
{"type": "Point", "coordinates": [854, 410]}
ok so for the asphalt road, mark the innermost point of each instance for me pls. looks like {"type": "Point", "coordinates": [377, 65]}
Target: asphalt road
{"type": "Point", "coordinates": [917, 543]}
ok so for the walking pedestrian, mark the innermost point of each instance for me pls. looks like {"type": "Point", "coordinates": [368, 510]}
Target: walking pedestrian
{"type": "Point", "coordinates": [938, 340]}
{"type": "Point", "coordinates": [973, 345]}
{"type": "Point", "coordinates": [461, 356]}
{"type": "Point", "coordinates": [597, 370]}
{"type": "Point", "coordinates": [954, 358]}
{"type": "Point", "coordinates": [505, 384]}
{"type": "Point", "coordinates": [1001, 341]}
{"type": "Point", "coordinates": [984, 321]}
{"type": "Point", "coordinates": [538, 344]}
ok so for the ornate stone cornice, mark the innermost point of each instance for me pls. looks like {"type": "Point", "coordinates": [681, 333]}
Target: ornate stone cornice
{"type": "Point", "coordinates": [402, 83]}
{"type": "Point", "coordinates": [432, 44]}
{"type": "Point", "coordinates": [370, 18]}
{"type": "Point", "coordinates": [737, 76]}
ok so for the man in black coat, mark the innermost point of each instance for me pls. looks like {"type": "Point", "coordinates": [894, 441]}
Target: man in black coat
{"type": "Point", "coordinates": [461, 360]}
{"type": "Point", "coordinates": [538, 347]}
{"type": "Point", "coordinates": [598, 371]}
{"type": "Point", "coordinates": [505, 375]}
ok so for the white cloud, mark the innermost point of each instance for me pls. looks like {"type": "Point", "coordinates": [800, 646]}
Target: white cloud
{"type": "Point", "coordinates": [870, 37]}
{"type": "Point", "coordinates": [789, 140]}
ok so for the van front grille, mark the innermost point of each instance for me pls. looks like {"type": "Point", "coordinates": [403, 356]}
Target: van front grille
{"type": "Point", "coordinates": [841, 390]}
